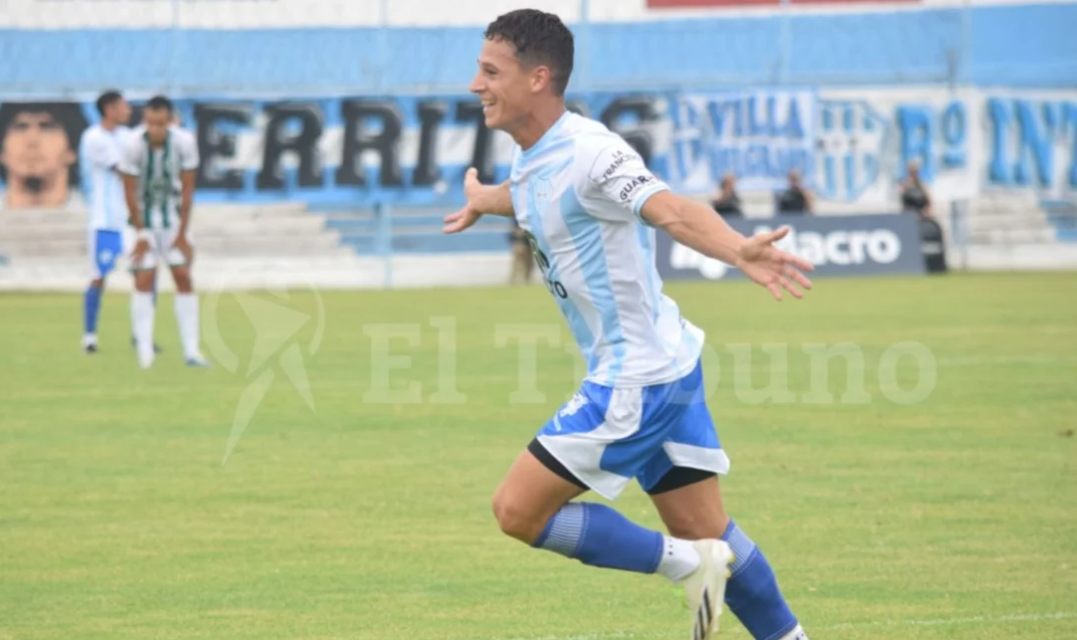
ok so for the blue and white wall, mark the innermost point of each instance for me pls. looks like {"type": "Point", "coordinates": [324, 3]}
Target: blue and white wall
{"type": "Point", "coordinates": [361, 101]}
{"type": "Point", "coordinates": [324, 47]}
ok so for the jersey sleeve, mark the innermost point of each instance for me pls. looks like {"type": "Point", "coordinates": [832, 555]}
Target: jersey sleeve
{"type": "Point", "coordinates": [131, 158]}
{"type": "Point", "coordinates": [100, 152]}
{"type": "Point", "coordinates": [617, 183]}
{"type": "Point", "coordinates": [188, 151]}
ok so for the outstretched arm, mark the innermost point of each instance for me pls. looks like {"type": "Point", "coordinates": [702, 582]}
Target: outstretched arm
{"type": "Point", "coordinates": [481, 200]}
{"type": "Point", "coordinates": [695, 226]}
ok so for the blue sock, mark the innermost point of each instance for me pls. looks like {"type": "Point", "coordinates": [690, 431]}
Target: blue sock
{"type": "Point", "coordinates": [752, 592]}
{"type": "Point", "coordinates": [598, 536]}
{"type": "Point", "coordinates": [91, 305]}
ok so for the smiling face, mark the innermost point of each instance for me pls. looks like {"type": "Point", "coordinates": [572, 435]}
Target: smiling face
{"type": "Point", "coordinates": [524, 68]}
{"type": "Point", "coordinates": [505, 87]}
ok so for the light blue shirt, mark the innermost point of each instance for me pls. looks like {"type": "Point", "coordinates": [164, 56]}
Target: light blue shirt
{"type": "Point", "coordinates": [578, 193]}
{"type": "Point", "coordinates": [101, 151]}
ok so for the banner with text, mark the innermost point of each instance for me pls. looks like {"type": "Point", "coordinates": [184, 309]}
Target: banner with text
{"type": "Point", "coordinates": [759, 137]}
{"type": "Point", "coordinates": [836, 246]}
{"type": "Point", "coordinates": [851, 146]}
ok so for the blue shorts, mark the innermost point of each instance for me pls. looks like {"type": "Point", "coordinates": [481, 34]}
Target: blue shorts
{"type": "Point", "coordinates": [105, 247]}
{"type": "Point", "coordinates": [606, 437]}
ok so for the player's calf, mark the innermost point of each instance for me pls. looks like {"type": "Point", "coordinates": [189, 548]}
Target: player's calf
{"type": "Point", "coordinates": [143, 317]}
{"type": "Point", "coordinates": [753, 594]}
{"type": "Point", "coordinates": [186, 307]}
{"type": "Point", "coordinates": [91, 309]}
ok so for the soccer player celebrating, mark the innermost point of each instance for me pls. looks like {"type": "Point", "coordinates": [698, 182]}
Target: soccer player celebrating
{"type": "Point", "coordinates": [159, 166]}
{"type": "Point", "coordinates": [590, 208]}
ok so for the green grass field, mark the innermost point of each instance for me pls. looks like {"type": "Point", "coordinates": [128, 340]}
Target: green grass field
{"type": "Point", "coordinates": [951, 517]}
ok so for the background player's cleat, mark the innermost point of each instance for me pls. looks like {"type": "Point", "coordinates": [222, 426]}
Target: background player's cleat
{"type": "Point", "coordinates": [145, 360]}
{"type": "Point", "coordinates": [706, 587]}
{"type": "Point", "coordinates": [197, 361]}
{"type": "Point", "coordinates": [156, 347]}
{"type": "Point", "coordinates": [89, 344]}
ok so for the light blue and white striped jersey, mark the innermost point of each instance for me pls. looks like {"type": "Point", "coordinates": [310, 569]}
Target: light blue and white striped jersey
{"type": "Point", "coordinates": [578, 193]}
{"type": "Point", "coordinates": [100, 152]}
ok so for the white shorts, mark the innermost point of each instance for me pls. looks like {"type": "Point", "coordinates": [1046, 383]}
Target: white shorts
{"type": "Point", "coordinates": [161, 250]}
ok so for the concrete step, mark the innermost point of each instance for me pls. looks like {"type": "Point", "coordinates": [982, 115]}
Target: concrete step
{"type": "Point", "coordinates": [32, 217]}
{"type": "Point", "coordinates": [1012, 236]}
{"type": "Point", "coordinates": [44, 247]}
{"type": "Point", "coordinates": [258, 226]}
{"type": "Point", "coordinates": [269, 244]}
{"type": "Point", "coordinates": [22, 233]}
{"type": "Point", "coordinates": [300, 250]}
{"type": "Point", "coordinates": [61, 246]}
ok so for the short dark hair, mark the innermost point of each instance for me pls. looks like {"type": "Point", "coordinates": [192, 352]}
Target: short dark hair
{"type": "Point", "coordinates": [539, 38]}
{"type": "Point", "coordinates": [160, 102]}
{"type": "Point", "coordinates": [106, 99]}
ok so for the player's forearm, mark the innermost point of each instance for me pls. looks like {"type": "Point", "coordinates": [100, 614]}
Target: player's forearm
{"type": "Point", "coordinates": [697, 227]}
{"type": "Point", "coordinates": [134, 216]}
{"type": "Point", "coordinates": [498, 200]}
{"type": "Point", "coordinates": [185, 215]}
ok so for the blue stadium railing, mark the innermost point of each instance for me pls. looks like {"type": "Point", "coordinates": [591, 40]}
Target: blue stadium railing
{"type": "Point", "coordinates": [395, 230]}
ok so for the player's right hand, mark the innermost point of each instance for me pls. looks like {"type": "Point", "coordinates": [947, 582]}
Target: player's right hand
{"type": "Point", "coordinates": [141, 247]}
{"type": "Point", "coordinates": [472, 210]}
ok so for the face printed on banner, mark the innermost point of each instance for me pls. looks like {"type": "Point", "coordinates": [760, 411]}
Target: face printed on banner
{"type": "Point", "coordinates": [38, 152]}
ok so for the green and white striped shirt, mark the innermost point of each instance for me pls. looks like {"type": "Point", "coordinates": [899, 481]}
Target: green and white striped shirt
{"type": "Point", "coordinates": [158, 171]}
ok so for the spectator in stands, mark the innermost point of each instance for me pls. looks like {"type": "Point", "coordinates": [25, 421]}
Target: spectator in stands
{"type": "Point", "coordinates": [38, 152]}
{"type": "Point", "coordinates": [727, 203]}
{"type": "Point", "coordinates": [914, 195]}
{"type": "Point", "coordinates": [522, 262]}
{"type": "Point", "coordinates": [796, 200]}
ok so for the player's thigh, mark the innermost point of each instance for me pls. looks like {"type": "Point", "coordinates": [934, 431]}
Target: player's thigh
{"type": "Point", "coordinates": [105, 248]}
{"type": "Point", "coordinates": [530, 494]}
{"type": "Point", "coordinates": [681, 477]}
{"type": "Point", "coordinates": [178, 263]}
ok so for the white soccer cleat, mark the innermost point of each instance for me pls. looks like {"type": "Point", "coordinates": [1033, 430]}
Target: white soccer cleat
{"type": "Point", "coordinates": [197, 361]}
{"type": "Point", "coordinates": [89, 344]}
{"type": "Point", "coordinates": [796, 634]}
{"type": "Point", "coordinates": [146, 358]}
{"type": "Point", "coordinates": [706, 586]}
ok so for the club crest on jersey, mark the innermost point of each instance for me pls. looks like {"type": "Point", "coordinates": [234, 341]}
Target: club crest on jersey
{"type": "Point", "coordinates": [543, 190]}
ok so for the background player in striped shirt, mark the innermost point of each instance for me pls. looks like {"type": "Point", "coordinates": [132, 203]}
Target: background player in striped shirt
{"type": "Point", "coordinates": [159, 164]}
{"type": "Point", "coordinates": [590, 208]}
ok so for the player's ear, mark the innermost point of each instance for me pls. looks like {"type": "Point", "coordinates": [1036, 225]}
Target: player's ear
{"type": "Point", "coordinates": [540, 78]}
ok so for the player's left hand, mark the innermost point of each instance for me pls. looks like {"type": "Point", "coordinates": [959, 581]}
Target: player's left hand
{"type": "Point", "coordinates": [771, 267]}
{"type": "Point", "coordinates": [183, 246]}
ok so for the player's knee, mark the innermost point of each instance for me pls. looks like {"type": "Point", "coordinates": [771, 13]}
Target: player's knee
{"type": "Point", "coordinates": [183, 281]}
{"type": "Point", "coordinates": [694, 525]}
{"type": "Point", "coordinates": [516, 521]}
{"type": "Point", "coordinates": [97, 283]}
{"type": "Point", "coordinates": [144, 281]}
